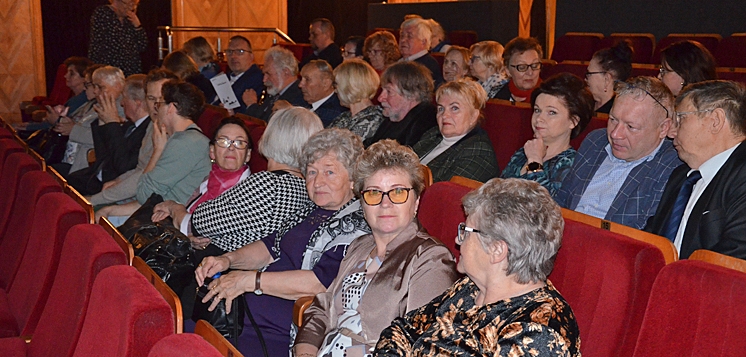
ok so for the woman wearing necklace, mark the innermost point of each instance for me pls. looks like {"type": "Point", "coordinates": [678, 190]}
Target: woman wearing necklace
{"type": "Point", "coordinates": [562, 109]}
{"type": "Point", "coordinates": [522, 57]}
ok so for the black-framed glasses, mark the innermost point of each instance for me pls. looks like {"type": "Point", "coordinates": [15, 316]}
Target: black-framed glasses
{"type": "Point", "coordinates": [619, 85]}
{"type": "Point", "coordinates": [588, 74]}
{"type": "Point", "coordinates": [87, 84]}
{"type": "Point", "coordinates": [462, 229]}
{"type": "Point", "coordinates": [226, 143]}
{"type": "Point", "coordinates": [397, 196]}
{"type": "Point", "coordinates": [679, 116]}
{"type": "Point", "coordinates": [236, 52]}
{"type": "Point", "coordinates": [524, 67]}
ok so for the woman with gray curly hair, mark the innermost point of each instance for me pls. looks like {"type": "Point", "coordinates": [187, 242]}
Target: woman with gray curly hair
{"type": "Point", "coordinates": [302, 257]}
{"type": "Point", "coordinates": [505, 305]}
{"type": "Point", "coordinates": [397, 268]}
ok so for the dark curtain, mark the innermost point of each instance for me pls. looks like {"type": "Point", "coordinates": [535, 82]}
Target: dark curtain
{"type": "Point", "coordinates": [350, 17]}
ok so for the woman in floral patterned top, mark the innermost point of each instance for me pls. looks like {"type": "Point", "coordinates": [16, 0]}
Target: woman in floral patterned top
{"type": "Point", "coordinates": [486, 65]}
{"type": "Point", "coordinates": [505, 306]}
{"type": "Point", "coordinates": [562, 109]}
{"type": "Point", "coordinates": [356, 82]}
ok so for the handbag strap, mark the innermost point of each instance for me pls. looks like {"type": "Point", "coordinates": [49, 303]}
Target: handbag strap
{"type": "Point", "coordinates": [256, 329]}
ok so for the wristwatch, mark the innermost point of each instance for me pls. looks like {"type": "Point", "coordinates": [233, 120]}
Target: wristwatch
{"type": "Point", "coordinates": [257, 284]}
{"type": "Point", "coordinates": [534, 167]}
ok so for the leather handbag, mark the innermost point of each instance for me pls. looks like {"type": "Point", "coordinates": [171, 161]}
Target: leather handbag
{"type": "Point", "coordinates": [229, 325]}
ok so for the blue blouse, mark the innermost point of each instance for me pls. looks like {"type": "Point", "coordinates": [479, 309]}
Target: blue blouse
{"type": "Point", "coordinates": [555, 169]}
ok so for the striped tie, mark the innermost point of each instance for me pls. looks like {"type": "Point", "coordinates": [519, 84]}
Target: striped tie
{"type": "Point", "coordinates": [672, 226]}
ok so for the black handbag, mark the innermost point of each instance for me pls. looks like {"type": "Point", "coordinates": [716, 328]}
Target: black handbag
{"type": "Point", "coordinates": [229, 325]}
{"type": "Point", "coordinates": [49, 144]}
{"type": "Point", "coordinates": [161, 245]}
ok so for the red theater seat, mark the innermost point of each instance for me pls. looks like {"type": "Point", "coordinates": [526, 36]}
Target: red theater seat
{"type": "Point", "coordinates": [577, 68]}
{"type": "Point", "coordinates": [126, 316]}
{"type": "Point", "coordinates": [257, 162]}
{"type": "Point", "coordinates": [576, 46]}
{"type": "Point", "coordinates": [8, 146]}
{"type": "Point", "coordinates": [508, 126]}
{"type": "Point", "coordinates": [441, 211]}
{"type": "Point", "coordinates": [709, 40]}
{"type": "Point", "coordinates": [732, 74]}
{"type": "Point", "coordinates": [17, 165]}
{"type": "Point", "coordinates": [184, 345]}
{"type": "Point", "coordinates": [642, 43]}
{"type": "Point", "coordinates": [695, 309]}
{"type": "Point", "coordinates": [597, 122]}
{"type": "Point", "coordinates": [731, 51]}
{"type": "Point", "coordinates": [463, 38]}
{"type": "Point", "coordinates": [606, 278]}
{"type": "Point", "coordinates": [210, 119]}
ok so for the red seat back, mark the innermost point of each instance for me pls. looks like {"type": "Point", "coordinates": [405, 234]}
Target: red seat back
{"type": "Point", "coordinates": [650, 70]}
{"type": "Point", "coordinates": [695, 309]}
{"type": "Point", "coordinates": [15, 233]}
{"type": "Point", "coordinates": [576, 46]}
{"type": "Point", "coordinates": [126, 316]}
{"type": "Point", "coordinates": [184, 345]}
{"type": "Point", "coordinates": [440, 57]}
{"type": "Point", "coordinates": [299, 50]}
{"type": "Point", "coordinates": [8, 146]}
{"type": "Point", "coordinates": [257, 162]}
{"type": "Point", "coordinates": [508, 126]}
{"type": "Point", "coordinates": [29, 290]}
{"type": "Point", "coordinates": [17, 165]}
{"type": "Point", "coordinates": [732, 74]}
{"type": "Point", "coordinates": [595, 123]}
{"type": "Point", "coordinates": [606, 278]}
{"type": "Point", "coordinates": [731, 51]}
{"type": "Point", "coordinates": [709, 41]}
{"type": "Point", "coordinates": [87, 250]}
{"type": "Point", "coordinates": [577, 68]}
{"type": "Point", "coordinates": [463, 38]}
{"type": "Point", "coordinates": [643, 44]}
{"type": "Point", "coordinates": [60, 92]}
{"type": "Point", "coordinates": [441, 211]}
{"type": "Point", "coordinates": [210, 119]}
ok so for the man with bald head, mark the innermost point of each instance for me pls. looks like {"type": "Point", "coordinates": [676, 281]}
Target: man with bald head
{"type": "Point", "coordinates": [704, 204]}
{"type": "Point", "coordinates": [317, 86]}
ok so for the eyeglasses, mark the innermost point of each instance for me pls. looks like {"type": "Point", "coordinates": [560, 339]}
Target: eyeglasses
{"type": "Point", "coordinates": [157, 105]}
{"type": "Point", "coordinates": [236, 52]}
{"type": "Point", "coordinates": [474, 58]}
{"type": "Point", "coordinates": [226, 143]}
{"type": "Point", "coordinates": [679, 116]}
{"type": "Point", "coordinates": [397, 196]}
{"type": "Point", "coordinates": [348, 53]}
{"type": "Point", "coordinates": [619, 85]}
{"type": "Point", "coordinates": [588, 74]}
{"type": "Point", "coordinates": [374, 52]}
{"type": "Point", "coordinates": [663, 71]}
{"type": "Point", "coordinates": [87, 84]}
{"type": "Point", "coordinates": [462, 229]}
{"type": "Point", "coordinates": [524, 67]}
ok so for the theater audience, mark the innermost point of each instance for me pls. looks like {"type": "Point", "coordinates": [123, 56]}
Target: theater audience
{"type": "Point", "coordinates": [185, 68]}
{"type": "Point", "coordinates": [124, 187]}
{"type": "Point", "coordinates": [302, 257]}
{"type": "Point", "coordinates": [562, 109]}
{"type": "Point", "coordinates": [505, 305]}
{"type": "Point", "coordinates": [244, 74]}
{"type": "Point", "coordinates": [281, 82]}
{"type": "Point", "coordinates": [457, 146]}
{"type": "Point", "coordinates": [414, 45]}
{"type": "Point", "coordinates": [522, 57]}
{"type": "Point", "coordinates": [203, 55]}
{"type": "Point", "coordinates": [117, 38]}
{"type": "Point", "coordinates": [438, 42]}
{"type": "Point", "coordinates": [607, 66]}
{"type": "Point", "coordinates": [258, 206]}
{"type": "Point", "coordinates": [406, 95]}
{"type": "Point", "coordinates": [455, 63]}
{"type": "Point", "coordinates": [486, 65]}
{"type": "Point", "coordinates": [381, 50]}
{"type": "Point", "coordinates": [684, 63]}
{"type": "Point", "coordinates": [357, 83]}
{"type": "Point", "coordinates": [619, 173]}
{"type": "Point", "coordinates": [386, 274]}
{"type": "Point", "coordinates": [321, 37]}
{"type": "Point", "coordinates": [317, 86]}
{"type": "Point", "coordinates": [708, 133]}
{"type": "Point", "coordinates": [353, 48]}
{"type": "Point", "coordinates": [116, 140]}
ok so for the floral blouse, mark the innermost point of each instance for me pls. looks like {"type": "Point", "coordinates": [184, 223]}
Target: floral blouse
{"type": "Point", "coordinates": [538, 323]}
{"type": "Point", "coordinates": [494, 83]}
{"type": "Point", "coordinates": [364, 123]}
{"type": "Point", "coordinates": [555, 169]}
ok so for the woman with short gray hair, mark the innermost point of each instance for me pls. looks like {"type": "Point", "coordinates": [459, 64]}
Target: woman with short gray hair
{"type": "Point", "coordinates": [302, 257]}
{"type": "Point", "coordinates": [505, 305]}
{"type": "Point", "coordinates": [257, 206]}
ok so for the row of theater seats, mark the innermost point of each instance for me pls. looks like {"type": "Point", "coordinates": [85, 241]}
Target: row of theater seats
{"type": "Point", "coordinates": [69, 287]}
{"type": "Point", "coordinates": [580, 46]}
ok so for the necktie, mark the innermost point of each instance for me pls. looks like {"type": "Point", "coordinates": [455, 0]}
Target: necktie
{"type": "Point", "coordinates": [129, 130]}
{"type": "Point", "coordinates": [677, 213]}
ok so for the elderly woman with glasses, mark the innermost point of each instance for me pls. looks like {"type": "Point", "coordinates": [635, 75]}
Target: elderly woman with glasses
{"type": "Point", "coordinates": [117, 37]}
{"type": "Point", "coordinates": [486, 65]}
{"type": "Point", "coordinates": [396, 269]}
{"type": "Point", "coordinates": [300, 258]}
{"type": "Point", "coordinates": [381, 50]}
{"type": "Point", "coordinates": [505, 306]}
{"type": "Point", "coordinates": [522, 57]}
{"type": "Point", "coordinates": [608, 66]}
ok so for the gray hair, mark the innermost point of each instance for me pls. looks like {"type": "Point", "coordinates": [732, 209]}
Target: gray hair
{"type": "Point", "coordinates": [422, 29]}
{"type": "Point", "coordinates": [282, 59]}
{"type": "Point", "coordinates": [111, 75]}
{"type": "Point", "coordinates": [727, 95]}
{"type": "Point", "coordinates": [389, 155]}
{"type": "Point", "coordinates": [325, 69]}
{"type": "Point", "coordinates": [343, 143]}
{"type": "Point", "coordinates": [413, 80]}
{"type": "Point", "coordinates": [287, 132]}
{"type": "Point", "coordinates": [134, 87]}
{"type": "Point", "coordinates": [642, 86]}
{"type": "Point", "coordinates": [522, 214]}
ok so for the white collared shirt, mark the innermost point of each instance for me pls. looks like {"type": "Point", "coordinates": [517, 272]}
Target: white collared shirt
{"type": "Point", "coordinates": [139, 121]}
{"type": "Point", "coordinates": [708, 170]}
{"type": "Point", "coordinates": [315, 105]}
{"type": "Point", "coordinates": [233, 77]}
{"type": "Point", "coordinates": [415, 56]}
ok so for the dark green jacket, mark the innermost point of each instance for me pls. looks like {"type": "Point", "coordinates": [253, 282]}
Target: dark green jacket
{"type": "Point", "coordinates": [471, 157]}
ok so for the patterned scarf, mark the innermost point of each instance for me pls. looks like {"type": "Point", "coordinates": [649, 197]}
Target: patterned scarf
{"type": "Point", "coordinates": [494, 83]}
{"type": "Point", "coordinates": [218, 182]}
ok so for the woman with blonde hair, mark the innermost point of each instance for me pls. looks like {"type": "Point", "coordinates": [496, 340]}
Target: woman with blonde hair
{"type": "Point", "coordinates": [203, 55]}
{"type": "Point", "coordinates": [356, 84]}
{"type": "Point", "coordinates": [486, 65]}
{"type": "Point", "coordinates": [456, 63]}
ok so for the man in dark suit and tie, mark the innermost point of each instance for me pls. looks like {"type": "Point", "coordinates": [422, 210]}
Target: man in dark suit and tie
{"type": "Point", "coordinates": [704, 203]}
{"type": "Point", "coordinates": [281, 82]}
{"type": "Point", "coordinates": [244, 74]}
{"type": "Point", "coordinates": [317, 85]}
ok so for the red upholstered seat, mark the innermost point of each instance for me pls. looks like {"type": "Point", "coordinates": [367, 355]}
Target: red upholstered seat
{"type": "Point", "coordinates": [643, 44]}
{"type": "Point", "coordinates": [210, 119]}
{"type": "Point", "coordinates": [463, 38]}
{"type": "Point", "coordinates": [508, 126]}
{"type": "Point", "coordinates": [731, 51]}
{"type": "Point", "coordinates": [595, 123]}
{"type": "Point", "coordinates": [126, 316]}
{"type": "Point", "coordinates": [299, 50]}
{"type": "Point", "coordinates": [441, 211]}
{"type": "Point", "coordinates": [22, 303]}
{"type": "Point", "coordinates": [606, 278]}
{"type": "Point", "coordinates": [732, 74]}
{"type": "Point", "coordinates": [8, 146]}
{"type": "Point", "coordinates": [709, 41]}
{"type": "Point", "coordinates": [60, 92]}
{"type": "Point", "coordinates": [640, 69]}
{"type": "Point", "coordinates": [695, 309]}
{"type": "Point", "coordinates": [577, 68]}
{"type": "Point", "coordinates": [87, 250]}
{"type": "Point", "coordinates": [184, 345]}
{"type": "Point", "coordinates": [576, 46]}
{"type": "Point", "coordinates": [257, 162]}
{"type": "Point", "coordinates": [17, 165]}
{"type": "Point", "coordinates": [14, 232]}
